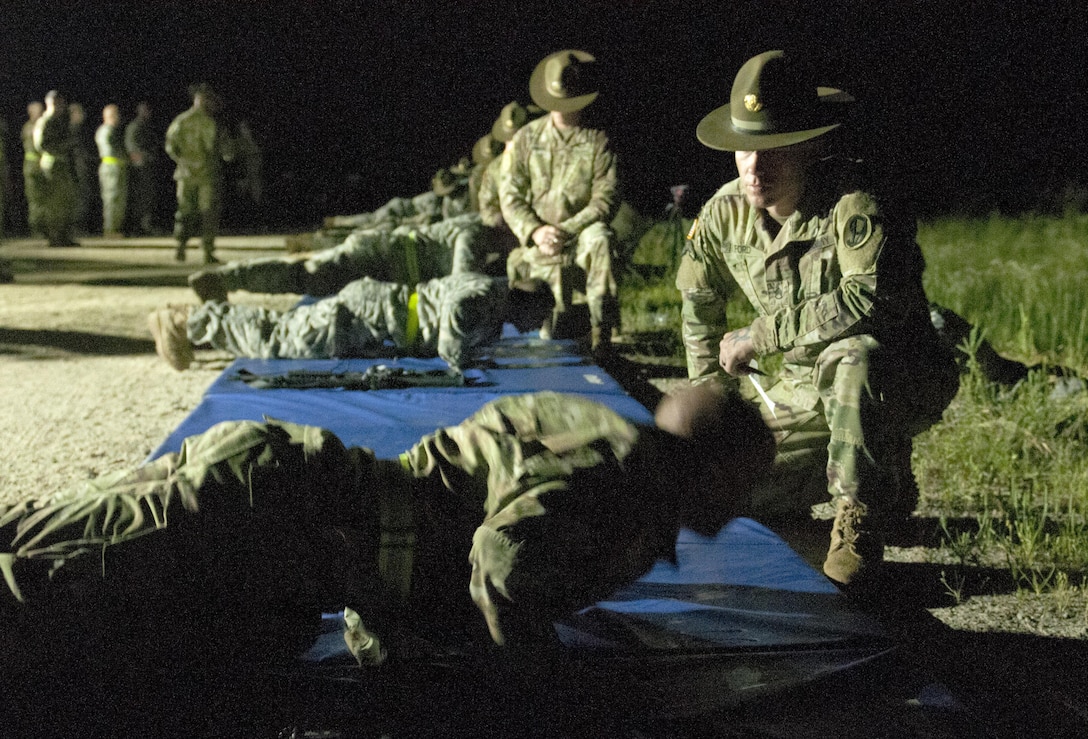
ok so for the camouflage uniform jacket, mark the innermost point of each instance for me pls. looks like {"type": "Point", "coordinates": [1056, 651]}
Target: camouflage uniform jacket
{"type": "Point", "coordinates": [54, 141]}
{"type": "Point", "coordinates": [140, 141]}
{"type": "Point", "coordinates": [459, 314]}
{"type": "Point", "coordinates": [449, 316]}
{"type": "Point", "coordinates": [111, 143]}
{"type": "Point", "coordinates": [198, 148]}
{"type": "Point", "coordinates": [487, 197]}
{"type": "Point", "coordinates": [30, 151]}
{"type": "Point", "coordinates": [562, 178]}
{"type": "Point", "coordinates": [841, 265]}
{"type": "Point", "coordinates": [591, 481]}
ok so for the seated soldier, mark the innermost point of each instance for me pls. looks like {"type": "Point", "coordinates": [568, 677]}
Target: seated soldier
{"type": "Point", "coordinates": [228, 551]}
{"type": "Point", "coordinates": [451, 316]}
{"type": "Point", "coordinates": [406, 255]}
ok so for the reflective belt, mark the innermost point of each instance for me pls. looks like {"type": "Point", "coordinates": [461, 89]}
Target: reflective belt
{"type": "Point", "coordinates": [110, 160]}
{"type": "Point", "coordinates": [31, 156]}
{"type": "Point", "coordinates": [411, 328]}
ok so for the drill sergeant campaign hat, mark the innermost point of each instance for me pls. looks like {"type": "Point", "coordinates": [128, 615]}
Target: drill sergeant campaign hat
{"type": "Point", "coordinates": [485, 149]}
{"type": "Point", "coordinates": [513, 116]}
{"type": "Point", "coordinates": [773, 103]}
{"type": "Point", "coordinates": [564, 81]}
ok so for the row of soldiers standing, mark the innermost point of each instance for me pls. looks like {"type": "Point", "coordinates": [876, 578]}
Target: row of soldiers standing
{"type": "Point", "coordinates": [57, 176]}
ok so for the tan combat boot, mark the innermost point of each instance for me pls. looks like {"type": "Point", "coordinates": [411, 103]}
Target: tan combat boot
{"type": "Point", "coordinates": [168, 327]}
{"type": "Point", "coordinates": [857, 550]}
{"type": "Point", "coordinates": [208, 286]}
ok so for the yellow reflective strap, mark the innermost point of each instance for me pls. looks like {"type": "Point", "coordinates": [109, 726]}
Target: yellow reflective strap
{"type": "Point", "coordinates": [411, 329]}
{"type": "Point", "coordinates": [111, 160]}
{"type": "Point", "coordinates": [31, 156]}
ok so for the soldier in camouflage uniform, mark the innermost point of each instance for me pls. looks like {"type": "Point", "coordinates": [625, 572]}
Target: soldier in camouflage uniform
{"type": "Point", "coordinates": [112, 170]}
{"type": "Point", "coordinates": [199, 145]}
{"type": "Point", "coordinates": [32, 171]}
{"type": "Point", "coordinates": [55, 145]}
{"type": "Point", "coordinates": [406, 255]}
{"type": "Point", "coordinates": [448, 197]}
{"type": "Point", "coordinates": [558, 191]}
{"type": "Point", "coordinates": [531, 508]}
{"type": "Point", "coordinates": [141, 145]}
{"type": "Point", "coordinates": [835, 275]}
{"type": "Point", "coordinates": [83, 156]}
{"type": "Point", "coordinates": [450, 316]}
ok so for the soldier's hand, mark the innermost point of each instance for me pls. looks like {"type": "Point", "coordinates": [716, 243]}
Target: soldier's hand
{"type": "Point", "coordinates": [736, 352]}
{"type": "Point", "coordinates": [549, 239]}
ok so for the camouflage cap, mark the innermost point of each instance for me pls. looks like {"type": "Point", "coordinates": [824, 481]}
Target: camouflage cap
{"type": "Point", "coordinates": [564, 81]}
{"type": "Point", "coordinates": [773, 103]}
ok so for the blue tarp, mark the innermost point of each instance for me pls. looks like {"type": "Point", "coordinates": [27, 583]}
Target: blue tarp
{"type": "Point", "coordinates": [742, 598]}
{"type": "Point", "coordinates": [390, 421]}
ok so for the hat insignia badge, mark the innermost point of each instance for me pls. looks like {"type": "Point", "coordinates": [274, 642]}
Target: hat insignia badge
{"type": "Point", "coordinates": [752, 103]}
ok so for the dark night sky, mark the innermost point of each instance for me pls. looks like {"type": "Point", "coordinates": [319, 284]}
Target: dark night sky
{"type": "Point", "coordinates": [978, 106]}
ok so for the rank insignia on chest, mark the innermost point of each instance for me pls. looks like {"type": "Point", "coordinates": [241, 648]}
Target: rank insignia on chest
{"type": "Point", "coordinates": [858, 230]}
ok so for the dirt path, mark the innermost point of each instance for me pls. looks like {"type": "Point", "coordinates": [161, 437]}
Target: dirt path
{"type": "Point", "coordinates": [83, 391]}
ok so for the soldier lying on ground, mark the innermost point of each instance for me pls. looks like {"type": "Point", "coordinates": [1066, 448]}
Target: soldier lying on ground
{"type": "Point", "coordinates": [230, 550]}
{"type": "Point", "coordinates": [406, 255]}
{"type": "Point", "coordinates": [450, 196]}
{"type": "Point", "coordinates": [449, 316]}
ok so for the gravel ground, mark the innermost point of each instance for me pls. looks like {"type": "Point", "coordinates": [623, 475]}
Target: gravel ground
{"type": "Point", "coordinates": [84, 393]}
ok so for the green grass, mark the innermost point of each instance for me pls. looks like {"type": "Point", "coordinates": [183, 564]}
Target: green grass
{"type": "Point", "coordinates": [1014, 460]}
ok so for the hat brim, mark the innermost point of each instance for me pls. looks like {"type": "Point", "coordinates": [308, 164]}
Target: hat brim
{"type": "Point", "coordinates": [499, 132]}
{"type": "Point", "coordinates": [539, 93]}
{"type": "Point", "coordinates": [716, 130]}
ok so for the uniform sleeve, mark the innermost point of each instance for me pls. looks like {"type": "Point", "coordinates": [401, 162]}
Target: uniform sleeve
{"type": "Point", "coordinates": [853, 306]}
{"type": "Point", "coordinates": [603, 201]}
{"type": "Point", "coordinates": [515, 189]}
{"type": "Point", "coordinates": [704, 290]}
{"type": "Point", "coordinates": [470, 316]}
{"type": "Point", "coordinates": [510, 458]}
{"type": "Point", "coordinates": [488, 203]}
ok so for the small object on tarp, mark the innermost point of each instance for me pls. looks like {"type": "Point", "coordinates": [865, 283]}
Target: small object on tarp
{"type": "Point", "coordinates": [377, 377]}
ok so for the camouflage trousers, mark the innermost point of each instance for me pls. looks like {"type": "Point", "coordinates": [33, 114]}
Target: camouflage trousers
{"type": "Point", "coordinates": [581, 274]}
{"type": "Point", "coordinates": [200, 203]}
{"type": "Point", "coordinates": [57, 195]}
{"type": "Point", "coordinates": [113, 183]}
{"type": "Point", "coordinates": [356, 322]}
{"type": "Point", "coordinates": [32, 191]}
{"type": "Point", "coordinates": [844, 426]}
{"type": "Point", "coordinates": [243, 537]}
{"type": "Point", "coordinates": [381, 255]}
